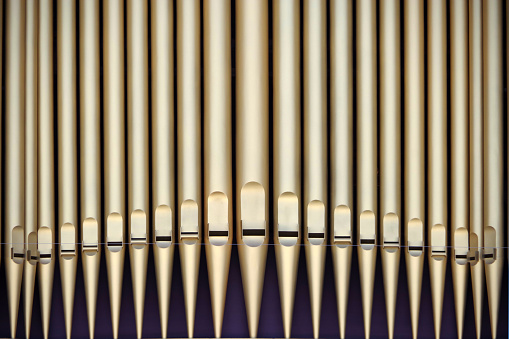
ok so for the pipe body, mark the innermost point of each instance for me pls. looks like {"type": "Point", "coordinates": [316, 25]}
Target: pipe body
{"type": "Point", "coordinates": [287, 152]}
{"type": "Point", "coordinates": [218, 194]}
{"type": "Point", "coordinates": [341, 150]}
{"type": "Point", "coordinates": [163, 155]}
{"type": "Point", "coordinates": [252, 148]}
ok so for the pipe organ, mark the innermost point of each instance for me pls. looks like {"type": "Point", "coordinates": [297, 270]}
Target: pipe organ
{"type": "Point", "coordinates": [254, 168]}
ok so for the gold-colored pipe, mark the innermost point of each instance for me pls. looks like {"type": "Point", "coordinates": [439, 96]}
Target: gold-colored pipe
{"type": "Point", "coordinates": [414, 193]}
{"type": "Point", "coordinates": [45, 159]}
{"type": "Point", "coordinates": [218, 207]}
{"type": "Point", "coordinates": [315, 151]}
{"type": "Point", "coordinates": [30, 155]}
{"type": "Point", "coordinates": [137, 150]}
{"type": "Point", "coordinates": [287, 152]}
{"type": "Point", "coordinates": [390, 153]}
{"type": "Point", "coordinates": [14, 154]}
{"type": "Point", "coordinates": [367, 152]}
{"type": "Point", "coordinates": [163, 157]}
{"type": "Point", "coordinates": [437, 155]}
{"type": "Point", "coordinates": [90, 174]}
{"type": "Point", "coordinates": [1, 117]}
{"type": "Point", "coordinates": [189, 151]}
{"type": "Point", "coordinates": [493, 110]}
{"type": "Point", "coordinates": [67, 154]}
{"type": "Point", "coordinates": [252, 76]}
{"type": "Point", "coordinates": [476, 159]}
{"type": "Point", "coordinates": [114, 152]}
{"type": "Point", "coordinates": [341, 145]}
{"type": "Point", "coordinates": [459, 157]}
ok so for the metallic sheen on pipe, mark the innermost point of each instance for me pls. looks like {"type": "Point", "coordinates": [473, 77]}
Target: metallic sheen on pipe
{"type": "Point", "coordinates": [46, 156]}
{"type": "Point", "coordinates": [163, 157]}
{"type": "Point", "coordinates": [137, 148]}
{"type": "Point", "coordinates": [476, 219]}
{"type": "Point", "coordinates": [287, 152]}
{"type": "Point", "coordinates": [367, 139]}
{"type": "Point", "coordinates": [315, 151]}
{"type": "Point", "coordinates": [414, 193]}
{"type": "Point", "coordinates": [189, 151]}
{"type": "Point", "coordinates": [252, 147]}
{"type": "Point", "coordinates": [114, 153]}
{"type": "Point", "coordinates": [341, 144]}
{"type": "Point", "coordinates": [493, 157]}
{"type": "Point", "coordinates": [67, 155]}
{"type": "Point", "coordinates": [218, 205]}
{"type": "Point", "coordinates": [90, 173]}
{"type": "Point", "coordinates": [390, 153]}
{"type": "Point", "coordinates": [30, 154]}
{"type": "Point", "coordinates": [14, 251]}
{"type": "Point", "coordinates": [437, 155]}
{"type": "Point", "coordinates": [459, 157]}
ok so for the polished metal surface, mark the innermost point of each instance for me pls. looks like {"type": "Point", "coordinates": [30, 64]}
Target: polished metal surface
{"type": "Point", "coordinates": [31, 115]}
{"type": "Point", "coordinates": [341, 150]}
{"type": "Point", "coordinates": [252, 145]}
{"type": "Point", "coordinates": [390, 153]}
{"type": "Point", "coordinates": [367, 139]}
{"type": "Point", "coordinates": [414, 170]}
{"type": "Point", "coordinates": [493, 143]}
{"type": "Point", "coordinates": [217, 189]}
{"type": "Point", "coordinates": [476, 219]}
{"type": "Point", "coordinates": [114, 153]}
{"type": "Point", "coordinates": [46, 223]}
{"type": "Point", "coordinates": [14, 256]}
{"type": "Point", "coordinates": [436, 139]}
{"type": "Point", "coordinates": [137, 151]}
{"type": "Point", "coordinates": [189, 151]}
{"type": "Point", "coordinates": [90, 173]}
{"type": "Point", "coordinates": [459, 158]}
{"type": "Point", "coordinates": [163, 155]}
{"type": "Point", "coordinates": [287, 152]}
{"type": "Point", "coordinates": [67, 155]}
{"type": "Point", "coordinates": [226, 129]}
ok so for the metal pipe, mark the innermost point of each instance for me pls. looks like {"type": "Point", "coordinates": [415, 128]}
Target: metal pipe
{"type": "Point", "coordinates": [30, 158]}
{"type": "Point", "coordinates": [114, 152]}
{"type": "Point", "coordinates": [341, 154]}
{"type": "Point", "coordinates": [189, 151]}
{"type": "Point", "coordinates": [437, 155]}
{"type": "Point", "coordinates": [287, 151]}
{"type": "Point", "coordinates": [493, 158]}
{"type": "Point", "coordinates": [218, 207]}
{"type": "Point", "coordinates": [90, 173]}
{"type": "Point", "coordinates": [459, 157]}
{"type": "Point", "coordinates": [252, 147]}
{"type": "Point", "coordinates": [45, 159]}
{"type": "Point", "coordinates": [15, 146]}
{"type": "Point", "coordinates": [67, 155]}
{"type": "Point", "coordinates": [414, 193]}
{"type": "Point", "coordinates": [163, 155]}
{"type": "Point", "coordinates": [367, 139]}
{"type": "Point", "coordinates": [390, 153]}
{"type": "Point", "coordinates": [476, 159]}
{"type": "Point", "coordinates": [137, 148]}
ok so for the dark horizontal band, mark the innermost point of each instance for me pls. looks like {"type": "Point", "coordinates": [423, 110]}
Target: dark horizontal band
{"type": "Point", "coordinates": [288, 234]}
{"type": "Point", "coordinates": [254, 232]}
{"type": "Point", "coordinates": [316, 235]}
{"type": "Point", "coordinates": [218, 233]}
{"type": "Point", "coordinates": [163, 238]}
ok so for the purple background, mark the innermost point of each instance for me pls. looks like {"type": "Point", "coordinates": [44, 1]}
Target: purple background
{"type": "Point", "coordinates": [235, 323]}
